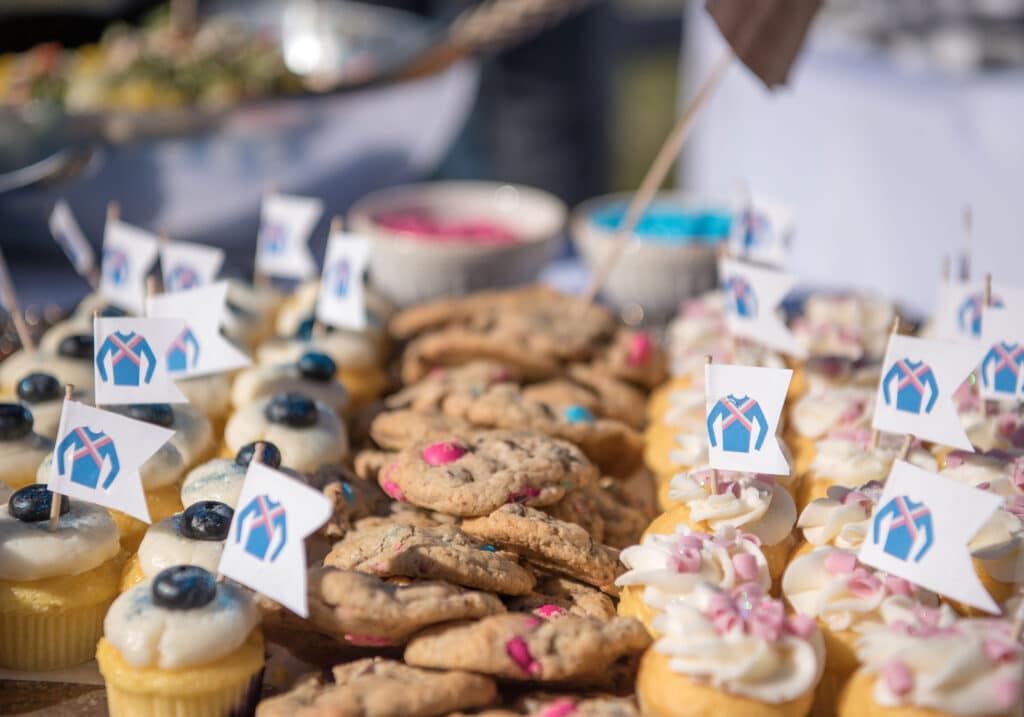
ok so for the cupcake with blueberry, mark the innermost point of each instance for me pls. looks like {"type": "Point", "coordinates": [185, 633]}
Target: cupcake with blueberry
{"type": "Point", "coordinates": [193, 537]}
{"type": "Point", "coordinates": [180, 643]}
{"type": "Point", "coordinates": [193, 434]}
{"type": "Point", "coordinates": [221, 479]}
{"type": "Point", "coordinates": [71, 362]}
{"type": "Point", "coordinates": [55, 587]}
{"type": "Point", "coordinates": [43, 395]}
{"type": "Point", "coordinates": [21, 448]}
{"type": "Point", "coordinates": [307, 432]}
{"type": "Point", "coordinates": [210, 395]}
{"type": "Point", "coordinates": [314, 374]}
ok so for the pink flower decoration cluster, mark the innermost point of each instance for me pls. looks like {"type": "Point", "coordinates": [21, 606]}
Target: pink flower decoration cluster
{"type": "Point", "coordinates": [860, 436]}
{"type": "Point", "coordinates": [687, 554]}
{"type": "Point", "coordinates": [862, 582]}
{"type": "Point", "coordinates": [749, 610]}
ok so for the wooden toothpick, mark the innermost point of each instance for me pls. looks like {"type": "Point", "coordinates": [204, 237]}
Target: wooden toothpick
{"type": "Point", "coordinates": [9, 298]}
{"type": "Point", "coordinates": [965, 252]}
{"type": "Point", "coordinates": [713, 478]}
{"type": "Point", "coordinates": [257, 452]}
{"type": "Point", "coordinates": [894, 331]}
{"type": "Point", "coordinates": [55, 498]}
{"type": "Point", "coordinates": [908, 442]}
{"type": "Point", "coordinates": [988, 406]}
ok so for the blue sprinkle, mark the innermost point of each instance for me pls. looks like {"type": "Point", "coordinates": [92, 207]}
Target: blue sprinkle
{"type": "Point", "coordinates": [346, 490]}
{"type": "Point", "coordinates": [578, 414]}
{"type": "Point", "coordinates": [489, 548]}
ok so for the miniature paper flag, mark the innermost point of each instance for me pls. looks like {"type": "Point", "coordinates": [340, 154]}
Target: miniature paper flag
{"type": "Point", "coordinates": [132, 358]}
{"type": "Point", "coordinates": [743, 406]}
{"type": "Point", "coordinates": [98, 454]}
{"type": "Point", "coordinates": [760, 233]}
{"type": "Point", "coordinates": [752, 298]}
{"type": "Point", "coordinates": [915, 395]}
{"type": "Point", "coordinates": [1002, 353]}
{"type": "Point", "coordinates": [187, 265]}
{"type": "Point", "coordinates": [265, 548]}
{"type": "Point", "coordinates": [958, 315]}
{"type": "Point", "coordinates": [128, 255]}
{"type": "Point", "coordinates": [200, 348]}
{"type": "Point", "coordinates": [341, 302]}
{"type": "Point", "coordinates": [286, 223]}
{"type": "Point", "coordinates": [920, 530]}
{"type": "Point", "coordinates": [70, 238]}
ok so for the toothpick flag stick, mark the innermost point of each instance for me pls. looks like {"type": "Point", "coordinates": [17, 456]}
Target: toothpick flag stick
{"type": "Point", "coordinates": [9, 298]}
{"type": "Point", "coordinates": [55, 497]}
{"type": "Point", "coordinates": [873, 442]}
{"type": "Point", "coordinates": [946, 268]}
{"type": "Point", "coordinates": [965, 252]}
{"type": "Point", "coordinates": [908, 442]}
{"type": "Point", "coordinates": [714, 473]}
{"type": "Point", "coordinates": [657, 172]}
{"type": "Point", "coordinates": [988, 406]}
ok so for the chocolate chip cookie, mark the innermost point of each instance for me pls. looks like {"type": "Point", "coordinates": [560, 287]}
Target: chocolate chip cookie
{"type": "Point", "coordinates": [554, 596]}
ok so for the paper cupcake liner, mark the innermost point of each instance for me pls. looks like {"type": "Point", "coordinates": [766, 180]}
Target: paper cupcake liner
{"type": "Point", "coordinates": [51, 640]}
{"type": "Point", "coordinates": [231, 700]}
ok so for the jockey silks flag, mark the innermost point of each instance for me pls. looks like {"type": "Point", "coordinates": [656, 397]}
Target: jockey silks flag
{"type": "Point", "coordinates": [920, 529]}
{"type": "Point", "coordinates": [282, 247]}
{"type": "Point", "coordinates": [743, 406]}
{"type": "Point", "coordinates": [69, 237]}
{"type": "Point", "coordinates": [915, 395]}
{"type": "Point", "coordinates": [760, 232]}
{"type": "Point", "coordinates": [128, 254]}
{"type": "Point", "coordinates": [199, 349]}
{"type": "Point", "coordinates": [132, 358]}
{"type": "Point", "coordinates": [1001, 352]}
{"type": "Point", "coordinates": [97, 456]}
{"type": "Point", "coordinates": [265, 547]}
{"type": "Point", "coordinates": [958, 315]}
{"type": "Point", "coordinates": [752, 298]}
{"type": "Point", "coordinates": [341, 302]}
{"type": "Point", "coordinates": [187, 265]}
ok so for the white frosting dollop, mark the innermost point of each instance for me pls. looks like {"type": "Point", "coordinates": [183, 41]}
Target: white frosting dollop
{"type": "Point", "coordinates": [841, 519]}
{"type": "Point", "coordinates": [347, 348]}
{"type": "Point", "coordinates": [852, 463]}
{"type": "Point", "coordinates": [259, 381]}
{"type": "Point", "coordinates": [164, 546]}
{"type": "Point", "coordinates": [304, 448]}
{"type": "Point", "coordinates": [707, 638]}
{"type": "Point", "coordinates": [220, 479]}
{"type": "Point", "coordinates": [754, 504]}
{"type": "Point", "coordinates": [865, 312]}
{"type": "Point", "coordinates": [148, 635]}
{"type": "Point", "coordinates": [671, 566]}
{"type": "Point", "coordinates": [210, 395]}
{"type": "Point", "coordinates": [817, 413]}
{"type": "Point", "coordinates": [86, 537]}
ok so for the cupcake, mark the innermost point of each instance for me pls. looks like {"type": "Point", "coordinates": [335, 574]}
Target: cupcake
{"type": "Point", "coordinates": [813, 416]}
{"type": "Point", "coordinates": [211, 396]}
{"type": "Point", "coordinates": [181, 644]}
{"type": "Point", "coordinates": [193, 537]}
{"type": "Point", "coordinates": [731, 654]}
{"type": "Point", "coordinates": [676, 440]}
{"type": "Point", "coordinates": [193, 434]}
{"type": "Point", "coordinates": [72, 363]}
{"type": "Point", "coordinates": [221, 479]}
{"type": "Point", "coordinates": [668, 567]}
{"type": "Point", "coordinates": [21, 448]}
{"type": "Point", "coordinates": [55, 587]}
{"type": "Point", "coordinates": [828, 584]}
{"type": "Point", "coordinates": [43, 395]}
{"type": "Point", "coordinates": [928, 663]}
{"type": "Point", "coordinates": [307, 432]}
{"type": "Point", "coordinates": [314, 374]}
{"type": "Point", "coordinates": [753, 504]}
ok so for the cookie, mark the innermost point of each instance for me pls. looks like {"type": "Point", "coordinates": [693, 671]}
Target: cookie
{"type": "Point", "coordinates": [382, 688]}
{"type": "Point", "coordinates": [352, 498]}
{"type": "Point", "coordinates": [615, 447]}
{"type": "Point", "coordinates": [518, 647]}
{"type": "Point", "coordinates": [638, 490]}
{"type": "Point", "coordinates": [618, 399]}
{"type": "Point", "coordinates": [473, 475]}
{"type": "Point", "coordinates": [546, 704]}
{"type": "Point", "coordinates": [437, 553]}
{"type": "Point", "coordinates": [555, 545]}
{"type": "Point", "coordinates": [554, 596]}
{"type": "Point", "coordinates": [428, 393]}
{"type": "Point", "coordinates": [623, 523]}
{"type": "Point", "coordinates": [457, 345]}
{"type": "Point", "coordinates": [365, 610]}
{"type": "Point", "coordinates": [395, 430]}
{"type": "Point", "coordinates": [580, 507]}
{"type": "Point", "coordinates": [633, 356]}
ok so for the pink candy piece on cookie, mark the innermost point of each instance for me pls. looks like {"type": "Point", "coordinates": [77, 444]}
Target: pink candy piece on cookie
{"type": "Point", "coordinates": [519, 651]}
{"type": "Point", "coordinates": [549, 611]}
{"type": "Point", "coordinates": [640, 348]}
{"type": "Point", "coordinates": [439, 454]}
{"type": "Point", "coordinates": [562, 707]}
{"type": "Point", "coordinates": [392, 489]}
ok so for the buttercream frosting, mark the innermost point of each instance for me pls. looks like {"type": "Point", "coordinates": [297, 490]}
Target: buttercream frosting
{"type": "Point", "coordinates": [259, 381]}
{"type": "Point", "coordinates": [815, 414]}
{"type": "Point", "coordinates": [22, 456]}
{"type": "Point", "coordinates": [86, 537]}
{"type": "Point", "coordinates": [845, 458]}
{"type": "Point", "coordinates": [164, 546]}
{"type": "Point", "coordinates": [303, 448]}
{"type": "Point", "coordinates": [210, 395]}
{"type": "Point", "coordinates": [348, 349]}
{"type": "Point", "coordinates": [220, 479]}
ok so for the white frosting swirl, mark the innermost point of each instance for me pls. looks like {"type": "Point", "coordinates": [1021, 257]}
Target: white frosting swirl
{"type": "Point", "coordinates": [86, 537]}
{"type": "Point", "coordinates": [21, 457]}
{"type": "Point", "coordinates": [817, 413]}
{"type": "Point", "coordinates": [210, 395]}
{"type": "Point", "coordinates": [259, 381]}
{"type": "Point", "coordinates": [754, 504]}
{"type": "Point", "coordinates": [931, 660]}
{"type": "Point", "coordinates": [851, 462]}
{"type": "Point", "coordinates": [842, 519]}
{"type": "Point", "coordinates": [303, 448]}
{"type": "Point", "coordinates": [671, 566]}
{"type": "Point", "coordinates": [164, 546]}
{"type": "Point", "coordinates": [731, 655]}
{"type": "Point", "coordinates": [148, 635]}
{"type": "Point", "coordinates": [220, 479]}
{"type": "Point", "coordinates": [347, 348]}
{"type": "Point", "coordinates": [828, 584]}
{"type": "Point", "coordinates": [870, 313]}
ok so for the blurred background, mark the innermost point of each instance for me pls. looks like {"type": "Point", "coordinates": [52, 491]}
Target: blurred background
{"type": "Point", "coordinates": [898, 115]}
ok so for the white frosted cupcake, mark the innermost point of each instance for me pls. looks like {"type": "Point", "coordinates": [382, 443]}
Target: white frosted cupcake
{"type": "Point", "coordinates": [314, 374]}
{"type": "Point", "coordinates": [221, 479]}
{"type": "Point", "coordinates": [21, 448]}
{"type": "Point", "coordinates": [211, 396]}
{"type": "Point", "coordinates": [193, 433]}
{"type": "Point", "coordinates": [815, 414]}
{"type": "Point", "coordinates": [43, 395]}
{"type": "Point", "coordinates": [72, 363]}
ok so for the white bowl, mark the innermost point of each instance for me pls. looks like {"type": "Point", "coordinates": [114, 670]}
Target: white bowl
{"type": "Point", "coordinates": [408, 269]}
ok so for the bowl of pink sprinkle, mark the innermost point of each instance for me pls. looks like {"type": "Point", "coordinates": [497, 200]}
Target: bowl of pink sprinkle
{"type": "Point", "coordinates": [447, 238]}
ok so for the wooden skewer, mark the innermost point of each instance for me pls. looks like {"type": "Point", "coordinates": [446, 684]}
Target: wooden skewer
{"type": "Point", "coordinates": [257, 452]}
{"type": "Point", "coordinates": [988, 406]}
{"type": "Point", "coordinates": [894, 331]}
{"type": "Point", "coordinates": [714, 473]}
{"type": "Point", "coordinates": [965, 252]}
{"type": "Point", "coordinates": [56, 498]}
{"type": "Point", "coordinates": [10, 300]}
{"type": "Point", "coordinates": [908, 442]}
{"type": "Point", "coordinates": [659, 169]}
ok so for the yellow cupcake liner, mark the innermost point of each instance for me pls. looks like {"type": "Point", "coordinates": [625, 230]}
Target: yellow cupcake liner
{"type": "Point", "coordinates": [51, 639]}
{"type": "Point", "coordinates": [162, 502]}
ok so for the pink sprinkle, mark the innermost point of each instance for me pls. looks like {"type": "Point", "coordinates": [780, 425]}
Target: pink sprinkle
{"type": "Point", "coordinates": [562, 707]}
{"type": "Point", "coordinates": [523, 495]}
{"type": "Point", "coordinates": [839, 562]}
{"type": "Point", "coordinates": [639, 351]}
{"type": "Point", "coordinates": [802, 626]}
{"type": "Point", "coordinates": [955, 459]}
{"type": "Point", "coordinates": [751, 538]}
{"type": "Point", "coordinates": [531, 621]}
{"type": "Point", "coordinates": [437, 372]}
{"type": "Point", "coordinates": [1006, 425]}
{"type": "Point", "coordinates": [694, 541]}
{"type": "Point", "coordinates": [1007, 693]}
{"type": "Point", "coordinates": [439, 454]}
{"type": "Point", "coordinates": [367, 640]}
{"type": "Point", "coordinates": [549, 611]}
{"type": "Point", "coordinates": [898, 677]}
{"type": "Point", "coordinates": [767, 620]}
{"type": "Point", "coordinates": [855, 496]}
{"type": "Point", "coordinates": [392, 489]}
{"type": "Point", "coordinates": [863, 584]}
{"type": "Point", "coordinates": [860, 436]}
{"type": "Point", "coordinates": [686, 560]}
{"type": "Point", "coordinates": [999, 651]}
{"type": "Point", "coordinates": [898, 586]}
{"type": "Point", "coordinates": [745, 565]}
{"type": "Point", "coordinates": [519, 651]}
{"type": "Point", "coordinates": [984, 485]}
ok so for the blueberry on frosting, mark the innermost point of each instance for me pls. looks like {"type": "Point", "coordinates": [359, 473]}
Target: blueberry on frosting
{"type": "Point", "coordinates": [38, 387]}
{"type": "Point", "coordinates": [15, 421]}
{"type": "Point", "coordinates": [184, 587]}
{"type": "Point", "coordinates": [291, 409]}
{"type": "Point", "coordinates": [317, 366]}
{"type": "Point", "coordinates": [159, 414]}
{"type": "Point", "coordinates": [76, 346]}
{"type": "Point", "coordinates": [32, 503]}
{"type": "Point", "coordinates": [206, 520]}
{"type": "Point", "coordinates": [271, 454]}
